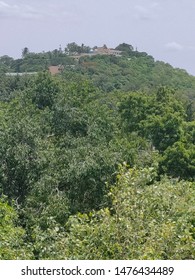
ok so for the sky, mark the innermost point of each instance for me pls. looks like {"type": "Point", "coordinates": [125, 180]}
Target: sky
{"type": "Point", "coordinates": [164, 29]}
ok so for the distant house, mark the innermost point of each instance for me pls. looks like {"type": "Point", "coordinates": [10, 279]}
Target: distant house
{"type": "Point", "coordinates": [55, 69]}
{"type": "Point", "coordinates": [98, 50]}
{"type": "Point", "coordinates": [115, 52]}
{"type": "Point", "coordinates": [107, 51]}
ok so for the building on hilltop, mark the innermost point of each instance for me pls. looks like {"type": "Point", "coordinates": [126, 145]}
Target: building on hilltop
{"type": "Point", "coordinates": [55, 69]}
{"type": "Point", "coordinates": [107, 51]}
{"type": "Point", "coordinates": [98, 51]}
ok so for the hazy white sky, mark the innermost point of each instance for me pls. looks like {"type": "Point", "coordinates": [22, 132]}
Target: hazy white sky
{"type": "Point", "coordinates": [163, 28]}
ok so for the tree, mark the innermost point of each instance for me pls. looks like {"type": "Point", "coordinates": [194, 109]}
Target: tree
{"type": "Point", "coordinates": [162, 131]}
{"type": "Point", "coordinates": [134, 109]}
{"type": "Point", "coordinates": [44, 90]}
{"type": "Point", "coordinates": [12, 237]}
{"type": "Point", "coordinates": [125, 48]}
{"type": "Point", "coordinates": [22, 133]}
{"type": "Point", "coordinates": [179, 161]}
{"type": "Point", "coordinates": [147, 219]}
{"type": "Point", "coordinates": [6, 60]}
{"type": "Point", "coordinates": [73, 48]}
{"type": "Point", "coordinates": [25, 52]}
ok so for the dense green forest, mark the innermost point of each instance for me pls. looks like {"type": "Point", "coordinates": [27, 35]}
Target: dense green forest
{"type": "Point", "coordinates": [98, 161]}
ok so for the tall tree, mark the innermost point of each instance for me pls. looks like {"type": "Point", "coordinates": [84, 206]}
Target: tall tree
{"type": "Point", "coordinates": [25, 51]}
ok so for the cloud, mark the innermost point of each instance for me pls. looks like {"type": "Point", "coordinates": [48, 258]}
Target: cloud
{"type": "Point", "coordinates": [142, 13]}
{"type": "Point", "coordinates": [148, 12]}
{"type": "Point", "coordinates": [19, 11]}
{"type": "Point", "coordinates": [5, 8]}
{"type": "Point", "coordinates": [37, 11]}
{"type": "Point", "coordinates": [191, 48]}
{"type": "Point", "coordinates": [173, 46]}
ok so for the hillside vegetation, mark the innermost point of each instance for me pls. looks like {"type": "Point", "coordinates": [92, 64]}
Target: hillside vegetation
{"type": "Point", "coordinates": [97, 162]}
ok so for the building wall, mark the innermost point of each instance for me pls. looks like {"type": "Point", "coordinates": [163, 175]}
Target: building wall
{"type": "Point", "coordinates": [54, 70]}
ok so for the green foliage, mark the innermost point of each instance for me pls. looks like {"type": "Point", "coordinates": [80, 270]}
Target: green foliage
{"type": "Point", "coordinates": [25, 52]}
{"type": "Point", "coordinates": [134, 109]}
{"type": "Point", "coordinates": [12, 237]}
{"type": "Point", "coordinates": [163, 131]}
{"type": "Point", "coordinates": [21, 133]}
{"type": "Point", "coordinates": [73, 48]}
{"type": "Point", "coordinates": [158, 117]}
{"type": "Point", "coordinates": [134, 70]}
{"type": "Point", "coordinates": [179, 161]}
{"type": "Point", "coordinates": [62, 139]}
{"type": "Point", "coordinates": [125, 48]}
{"type": "Point", "coordinates": [44, 90]}
{"type": "Point", "coordinates": [147, 220]}
{"type": "Point", "coordinates": [11, 86]}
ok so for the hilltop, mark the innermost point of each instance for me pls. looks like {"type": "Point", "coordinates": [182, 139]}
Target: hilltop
{"type": "Point", "coordinates": [122, 68]}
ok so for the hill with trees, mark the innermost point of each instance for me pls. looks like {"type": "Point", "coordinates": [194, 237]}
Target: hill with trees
{"type": "Point", "coordinates": [97, 162]}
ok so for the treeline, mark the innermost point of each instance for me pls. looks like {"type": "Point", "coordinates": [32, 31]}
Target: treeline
{"type": "Point", "coordinates": [35, 62]}
{"type": "Point", "coordinates": [87, 174]}
{"type": "Point", "coordinates": [132, 71]}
